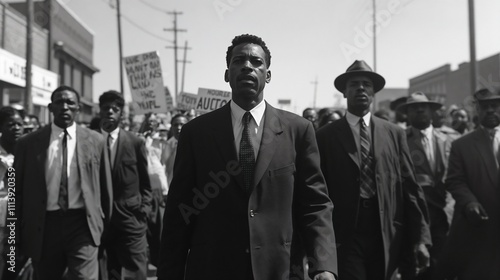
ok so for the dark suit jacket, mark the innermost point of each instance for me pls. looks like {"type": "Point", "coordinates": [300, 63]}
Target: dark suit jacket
{"type": "Point", "coordinates": [31, 200]}
{"type": "Point", "coordinates": [132, 194]}
{"type": "Point", "coordinates": [473, 251]}
{"type": "Point", "coordinates": [213, 230]}
{"type": "Point", "coordinates": [403, 212]}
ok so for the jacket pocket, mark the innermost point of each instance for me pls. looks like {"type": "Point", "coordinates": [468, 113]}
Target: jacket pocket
{"type": "Point", "coordinates": [282, 170]}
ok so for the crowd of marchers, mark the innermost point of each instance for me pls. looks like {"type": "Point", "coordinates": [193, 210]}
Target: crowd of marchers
{"type": "Point", "coordinates": [252, 192]}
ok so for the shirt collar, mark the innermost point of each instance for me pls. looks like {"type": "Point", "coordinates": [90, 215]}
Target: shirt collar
{"type": "Point", "coordinates": [70, 129]}
{"type": "Point", "coordinates": [427, 132]}
{"type": "Point", "coordinates": [114, 133]}
{"type": "Point", "coordinates": [257, 111]}
{"type": "Point", "coordinates": [353, 120]}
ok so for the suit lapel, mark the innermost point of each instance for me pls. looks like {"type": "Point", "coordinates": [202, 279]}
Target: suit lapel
{"type": "Point", "coordinates": [270, 134]}
{"type": "Point", "coordinates": [483, 145]}
{"type": "Point", "coordinates": [82, 150]}
{"type": "Point", "coordinates": [441, 145]}
{"type": "Point", "coordinates": [224, 138]}
{"type": "Point", "coordinates": [347, 140]}
{"type": "Point", "coordinates": [121, 141]}
{"type": "Point", "coordinates": [42, 148]}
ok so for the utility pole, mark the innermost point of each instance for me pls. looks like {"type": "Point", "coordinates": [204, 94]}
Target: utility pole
{"type": "Point", "coordinates": [175, 47]}
{"type": "Point", "coordinates": [120, 44]}
{"type": "Point", "coordinates": [29, 57]}
{"type": "Point", "coordinates": [472, 42]}
{"type": "Point", "coordinates": [184, 61]}
{"type": "Point", "coordinates": [374, 46]}
{"type": "Point", "coordinates": [315, 83]}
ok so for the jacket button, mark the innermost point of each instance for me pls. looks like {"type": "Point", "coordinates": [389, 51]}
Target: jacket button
{"type": "Point", "coordinates": [252, 213]}
{"type": "Point", "coordinates": [247, 250]}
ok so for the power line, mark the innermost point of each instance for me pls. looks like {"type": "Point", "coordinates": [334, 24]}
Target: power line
{"type": "Point", "coordinates": [143, 29]}
{"type": "Point", "coordinates": [153, 7]}
{"type": "Point", "coordinates": [138, 26]}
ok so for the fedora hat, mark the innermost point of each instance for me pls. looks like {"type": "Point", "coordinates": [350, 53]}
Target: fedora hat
{"type": "Point", "coordinates": [395, 103]}
{"type": "Point", "coordinates": [485, 94]}
{"type": "Point", "coordinates": [359, 68]}
{"type": "Point", "coordinates": [418, 98]}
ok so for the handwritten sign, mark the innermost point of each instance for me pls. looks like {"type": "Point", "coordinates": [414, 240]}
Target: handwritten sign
{"type": "Point", "coordinates": [146, 82]}
{"type": "Point", "coordinates": [211, 99]}
{"type": "Point", "coordinates": [187, 101]}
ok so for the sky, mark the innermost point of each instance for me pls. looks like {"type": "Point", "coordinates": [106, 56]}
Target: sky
{"type": "Point", "coordinates": [308, 40]}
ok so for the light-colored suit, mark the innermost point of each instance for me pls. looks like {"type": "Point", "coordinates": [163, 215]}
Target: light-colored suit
{"type": "Point", "coordinates": [31, 200]}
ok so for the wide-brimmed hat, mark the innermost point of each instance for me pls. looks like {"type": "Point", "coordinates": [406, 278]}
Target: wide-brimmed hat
{"type": "Point", "coordinates": [485, 94]}
{"type": "Point", "coordinates": [418, 98]}
{"type": "Point", "coordinates": [395, 103]}
{"type": "Point", "coordinates": [359, 68]}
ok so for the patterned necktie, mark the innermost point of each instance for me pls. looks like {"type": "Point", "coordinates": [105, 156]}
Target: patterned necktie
{"type": "Point", "coordinates": [110, 140]}
{"type": "Point", "coordinates": [428, 151]}
{"type": "Point", "coordinates": [367, 185]}
{"type": "Point", "coordinates": [63, 187]}
{"type": "Point", "coordinates": [247, 157]}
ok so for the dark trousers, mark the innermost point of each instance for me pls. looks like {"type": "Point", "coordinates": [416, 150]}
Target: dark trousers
{"type": "Point", "coordinates": [126, 255]}
{"type": "Point", "coordinates": [363, 257]}
{"type": "Point", "coordinates": [67, 243]}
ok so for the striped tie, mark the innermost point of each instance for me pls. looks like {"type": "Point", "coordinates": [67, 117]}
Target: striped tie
{"type": "Point", "coordinates": [247, 157]}
{"type": "Point", "coordinates": [367, 186]}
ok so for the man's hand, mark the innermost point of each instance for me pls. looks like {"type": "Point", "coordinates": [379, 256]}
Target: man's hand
{"type": "Point", "coordinates": [325, 275]}
{"type": "Point", "coordinates": [422, 258]}
{"type": "Point", "coordinates": [475, 213]}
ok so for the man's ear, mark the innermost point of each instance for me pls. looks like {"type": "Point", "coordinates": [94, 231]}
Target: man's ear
{"type": "Point", "coordinates": [226, 76]}
{"type": "Point", "coordinates": [50, 107]}
{"type": "Point", "coordinates": [268, 76]}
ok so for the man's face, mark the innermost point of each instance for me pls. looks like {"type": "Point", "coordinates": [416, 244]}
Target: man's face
{"type": "Point", "coordinates": [177, 124]}
{"type": "Point", "coordinates": [359, 93]}
{"type": "Point", "coordinates": [110, 114]}
{"type": "Point", "coordinates": [247, 73]}
{"type": "Point", "coordinates": [459, 120]}
{"type": "Point", "coordinates": [420, 115]}
{"type": "Point", "coordinates": [489, 113]}
{"type": "Point", "coordinates": [310, 115]}
{"type": "Point", "coordinates": [12, 128]}
{"type": "Point", "coordinates": [64, 107]}
{"type": "Point", "coordinates": [439, 117]}
{"type": "Point", "coordinates": [153, 122]}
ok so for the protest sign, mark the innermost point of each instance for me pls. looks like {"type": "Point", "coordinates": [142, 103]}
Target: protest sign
{"type": "Point", "coordinates": [187, 101]}
{"type": "Point", "coordinates": [211, 99]}
{"type": "Point", "coordinates": [146, 83]}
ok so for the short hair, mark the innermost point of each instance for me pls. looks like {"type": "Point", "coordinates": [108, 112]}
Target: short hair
{"type": "Point", "coordinates": [63, 88]}
{"type": "Point", "coordinates": [112, 96]}
{"type": "Point", "coordinates": [250, 39]}
{"type": "Point", "coordinates": [178, 116]}
{"type": "Point", "coordinates": [6, 113]}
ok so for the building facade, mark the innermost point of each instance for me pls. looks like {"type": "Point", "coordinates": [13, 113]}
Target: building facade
{"type": "Point", "coordinates": [67, 49]}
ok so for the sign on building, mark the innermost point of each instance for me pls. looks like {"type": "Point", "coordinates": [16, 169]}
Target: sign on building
{"type": "Point", "coordinates": [146, 83]}
{"type": "Point", "coordinates": [211, 99]}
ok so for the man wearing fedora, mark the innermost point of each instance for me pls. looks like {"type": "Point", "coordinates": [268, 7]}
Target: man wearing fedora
{"type": "Point", "coordinates": [429, 149]}
{"type": "Point", "coordinates": [473, 247]}
{"type": "Point", "coordinates": [380, 216]}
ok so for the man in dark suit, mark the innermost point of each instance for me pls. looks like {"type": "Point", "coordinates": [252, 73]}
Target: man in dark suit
{"type": "Point", "coordinates": [429, 149]}
{"type": "Point", "coordinates": [473, 247]}
{"type": "Point", "coordinates": [379, 207]}
{"type": "Point", "coordinates": [125, 156]}
{"type": "Point", "coordinates": [246, 186]}
{"type": "Point", "coordinates": [59, 193]}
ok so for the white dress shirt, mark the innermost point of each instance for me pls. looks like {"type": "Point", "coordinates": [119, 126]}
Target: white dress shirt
{"type": "Point", "coordinates": [256, 125]}
{"type": "Point", "coordinates": [113, 143]}
{"type": "Point", "coordinates": [353, 121]}
{"type": "Point", "coordinates": [53, 168]}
